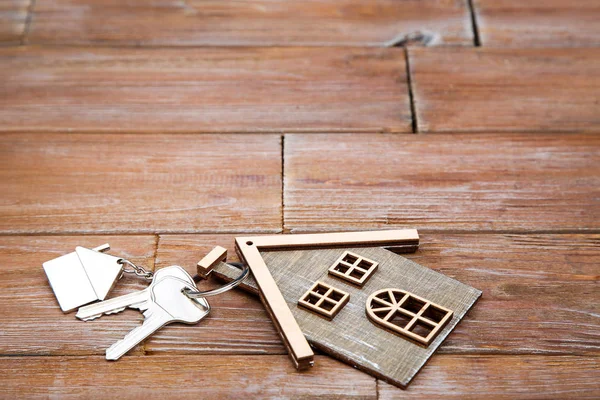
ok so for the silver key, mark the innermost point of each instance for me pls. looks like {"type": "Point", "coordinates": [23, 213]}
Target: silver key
{"type": "Point", "coordinates": [167, 304]}
{"type": "Point", "coordinates": [138, 300]}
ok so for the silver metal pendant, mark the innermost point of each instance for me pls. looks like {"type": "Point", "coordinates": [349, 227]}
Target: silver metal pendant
{"type": "Point", "coordinates": [83, 276]}
{"type": "Point", "coordinates": [103, 270]}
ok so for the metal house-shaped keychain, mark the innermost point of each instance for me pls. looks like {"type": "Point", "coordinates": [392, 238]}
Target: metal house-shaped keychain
{"type": "Point", "coordinates": [83, 276]}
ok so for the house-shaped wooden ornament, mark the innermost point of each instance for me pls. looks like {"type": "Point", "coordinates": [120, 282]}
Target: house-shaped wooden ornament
{"type": "Point", "coordinates": [355, 299]}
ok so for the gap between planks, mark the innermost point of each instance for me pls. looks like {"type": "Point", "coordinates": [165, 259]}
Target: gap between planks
{"type": "Point", "coordinates": [282, 139]}
{"type": "Point", "coordinates": [591, 132]}
{"type": "Point", "coordinates": [474, 24]}
{"type": "Point", "coordinates": [411, 95]}
{"type": "Point", "coordinates": [154, 257]}
{"type": "Point", "coordinates": [27, 27]}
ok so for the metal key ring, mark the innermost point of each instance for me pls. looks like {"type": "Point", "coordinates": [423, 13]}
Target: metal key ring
{"type": "Point", "coordinates": [192, 294]}
{"type": "Point", "coordinates": [139, 271]}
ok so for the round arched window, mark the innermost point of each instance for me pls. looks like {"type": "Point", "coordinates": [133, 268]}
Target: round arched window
{"type": "Point", "coordinates": [407, 314]}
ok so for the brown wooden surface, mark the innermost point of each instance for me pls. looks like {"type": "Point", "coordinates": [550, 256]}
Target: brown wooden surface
{"type": "Point", "coordinates": [203, 90]}
{"type": "Point", "coordinates": [273, 376]}
{"type": "Point", "coordinates": [505, 89]}
{"type": "Point", "coordinates": [513, 213]}
{"type": "Point", "coordinates": [62, 183]}
{"type": "Point", "coordinates": [502, 377]}
{"type": "Point", "coordinates": [160, 377]}
{"type": "Point", "coordinates": [544, 285]}
{"type": "Point", "coordinates": [538, 23]}
{"type": "Point", "coordinates": [250, 23]}
{"type": "Point", "coordinates": [451, 181]}
{"type": "Point", "coordinates": [13, 18]}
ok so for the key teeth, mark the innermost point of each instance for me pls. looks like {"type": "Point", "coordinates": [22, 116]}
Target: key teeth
{"type": "Point", "coordinates": [114, 352]}
{"type": "Point", "coordinates": [90, 318]}
{"type": "Point", "coordinates": [115, 311]}
{"type": "Point", "coordinates": [96, 316]}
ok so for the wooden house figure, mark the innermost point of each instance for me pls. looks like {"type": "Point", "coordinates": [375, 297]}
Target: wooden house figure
{"type": "Point", "coordinates": [363, 304]}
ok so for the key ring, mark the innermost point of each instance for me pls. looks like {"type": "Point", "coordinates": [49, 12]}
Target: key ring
{"type": "Point", "coordinates": [139, 271]}
{"type": "Point", "coordinates": [192, 294]}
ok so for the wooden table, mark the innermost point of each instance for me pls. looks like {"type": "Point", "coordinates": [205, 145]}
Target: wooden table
{"type": "Point", "coordinates": [165, 128]}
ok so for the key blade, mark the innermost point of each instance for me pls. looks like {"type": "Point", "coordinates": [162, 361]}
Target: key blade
{"type": "Point", "coordinates": [139, 300]}
{"type": "Point", "coordinates": [156, 318]}
{"type": "Point", "coordinates": [114, 305]}
{"type": "Point", "coordinates": [167, 304]}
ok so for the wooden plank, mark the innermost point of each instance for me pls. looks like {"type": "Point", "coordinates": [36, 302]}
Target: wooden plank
{"type": "Point", "coordinates": [77, 183]}
{"type": "Point", "coordinates": [34, 323]}
{"type": "Point", "coordinates": [539, 296]}
{"type": "Point", "coordinates": [538, 23]}
{"type": "Point", "coordinates": [13, 17]}
{"type": "Point", "coordinates": [182, 377]}
{"type": "Point", "coordinates": [446, 181]}
{"type": "Point", "coordinates": [252, 23]}
{"type": "Point", "coordinates": [502, 377]}
{"type": "Point", "coordinates": [208, 90]}
{"type": "Point", "coordinates": [539, 291]}
{"type": "Point", "coordinates": [486, 89]}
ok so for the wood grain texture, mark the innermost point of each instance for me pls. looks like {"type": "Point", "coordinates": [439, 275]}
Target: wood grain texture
{"type": "Point", "coordinates": [203, 90]}
{"type": "Point", "coordinates": [487, 89]}
{"type": "Point", "coordinates": [33, 323]}
{"type": "Point", "coordinates": [540, 295]}
{"type": "Point", "coordinates": [540, 291]}
{"type": "Point", "coordinates": [13, 18]}
{"type": "Point", "coordinates": [538, 23]}
{"type": "Point", "coordinates": [182, 377]}
{"type": "Point", "coordinates": [252, 23]}
{"type": "Point", "coordinates": [502, 377]}
{"type": "Point", "coordinates": [443, 181]}
{"type": "Point", "coordinates": [65, 183]}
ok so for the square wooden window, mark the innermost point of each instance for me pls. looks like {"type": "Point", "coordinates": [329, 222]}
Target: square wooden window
{"type": "Point", "coordinates": [353, 268]}
{"type": "Point", "coordinates": [324, 299]}
{"type": "Point", "coordinates": [406, 314]}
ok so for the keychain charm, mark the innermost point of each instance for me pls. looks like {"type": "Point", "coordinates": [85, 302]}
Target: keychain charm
{"type": "Point", "coordinates": [83, 276]}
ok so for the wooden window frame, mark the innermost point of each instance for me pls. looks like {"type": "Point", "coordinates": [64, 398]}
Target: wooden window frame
{"type": "Point", "coordinates": [411, 308]}
{"type": "Point", "coordinates": [325, 295]}
{"type": "Point", "coordinates": [351, 268]}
